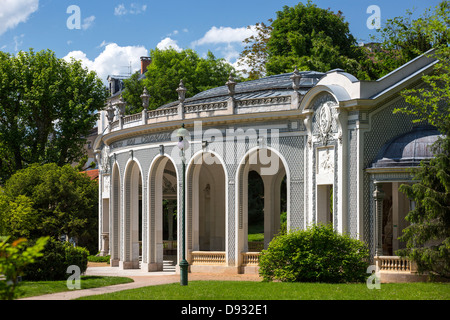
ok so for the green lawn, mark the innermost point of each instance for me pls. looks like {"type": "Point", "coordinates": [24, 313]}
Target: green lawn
{"type": "Point", "coordinates": [249, 290]}
{"type": "Point", "coordinates": [37, 288]}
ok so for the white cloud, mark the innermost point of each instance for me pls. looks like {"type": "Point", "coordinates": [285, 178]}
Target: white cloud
{"type": "Point", "coordinates": [120, 10]}
{"type": "Point", "coordinates": [14, 12]}
{"type": "Point", "coordinates": [227, 42]}
{"type": "Point", "coordinates": [113, 60]}
{"type": "Point", "coordinates": [18, 42]}
{"type": "Point", "coordinates": [103, 44]}
{"type": "Point", "coordinates": [134, 8]}
{"type": "Point", "coordinates": [167, 43]}
{"type": "Point", "coordinates": [225, 35]}
{"type": "Point", "coordinates": [137, 9]}
{"type": "Point", "coordinates": [88, 22]}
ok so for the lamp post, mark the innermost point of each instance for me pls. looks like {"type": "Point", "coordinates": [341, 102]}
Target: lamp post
{"type": "Point", "coordinates": [183, 145]}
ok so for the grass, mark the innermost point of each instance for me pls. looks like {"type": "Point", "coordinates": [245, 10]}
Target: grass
{"type": "Point", "coordinates": [256, 231]}
{"type": "Point", "coordinates": [250, 290]}
{"type": "Point", "coordinates": [37, 288]}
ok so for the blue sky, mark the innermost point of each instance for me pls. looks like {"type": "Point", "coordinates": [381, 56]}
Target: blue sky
{"type": "Point", "coordinates": [114, 33]}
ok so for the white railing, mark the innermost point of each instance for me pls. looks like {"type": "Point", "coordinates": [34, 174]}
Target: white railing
{"type": "Point", "coordinates": [209, 106]}
{"type": "Point", "coordinates": [394, 263]}
{"type": "Point", "coordinates": [263, 101]}
{"type": "Point", "coordinates": [132, 118]}
{"type": "Point", "coordinates": [208, 257]}
{"type": "Point", "coordinates": [250, 258]}
{"type": "Point", "coordinates": [162, 112]}
{"type": "Point", "coordinates": [172, 113]}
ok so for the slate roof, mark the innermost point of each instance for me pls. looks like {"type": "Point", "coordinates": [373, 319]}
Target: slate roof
{"type": "Point", "coordinates": [271, 86]}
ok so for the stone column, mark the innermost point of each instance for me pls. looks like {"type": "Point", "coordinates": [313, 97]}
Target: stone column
{"type": "Point", "coordinates": [378, 196]}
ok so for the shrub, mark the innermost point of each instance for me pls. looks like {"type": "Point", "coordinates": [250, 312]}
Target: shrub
{"type": "Point", "coordinates": [58, 256]}
{"type": "Point", "coordinates": [77, 256]}
{"type": "Point", "coordinates": [318, 254]}
{"type": "Point", "coordinates": [99, 259]}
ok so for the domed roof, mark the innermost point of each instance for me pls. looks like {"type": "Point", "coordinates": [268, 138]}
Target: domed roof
{"type": "Point", "coordinates": [270, 86]}
{"type": "Point", "coordinates": [409, 149]}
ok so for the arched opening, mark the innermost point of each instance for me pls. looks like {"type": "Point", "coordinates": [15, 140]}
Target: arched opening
{"type": "Point", "coordinates": [132, 217]}
{"type": "Point", "coordinates": [262, 200]}
{"type": "Point", "coordinates": [162, 213]}
{"type": "Point", "coordinates": [206, 206]}
{"type": "Point", "coordinates": [255, 189]}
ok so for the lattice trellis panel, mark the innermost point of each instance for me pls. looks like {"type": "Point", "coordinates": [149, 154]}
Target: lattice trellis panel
{"type": "Point", "coordinates": [292, 149]}
{"type": "Point", "coordinates": [385, 126]}
{"type": "Point", "coordinates": [352, 195]}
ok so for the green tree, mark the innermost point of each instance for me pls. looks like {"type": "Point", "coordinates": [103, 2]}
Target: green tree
{"type": "Point", "coordinates": [47, 107]}
{"type": "Point", "coordinates": [134, 87]}
{"type": "Point", "coordinates": [254, 56]}
{"type": "Point", "coordinates": [49, 200]}
{"type": "Point", "coordinates": [312, 38]}
{"type": "Point", "coordinates": [402, 39]}
{"type": "Point", "coordinates": [168, 67]}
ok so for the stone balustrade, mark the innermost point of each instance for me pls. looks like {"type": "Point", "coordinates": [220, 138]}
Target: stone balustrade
{"type": "Point", "coordinates": [162, 112]}
{"type": "Point", "coordinates": [250, 258]}
{"type": "Point", "coordinates": [208, 257]}
{"type": "Point", "coordinates": [201, 109]}
{"type": "Point", "coordinates": [394, 264]}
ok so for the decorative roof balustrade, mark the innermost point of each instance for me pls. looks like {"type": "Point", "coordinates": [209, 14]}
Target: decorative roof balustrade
{"type": "Point", "coordinates": [206, 107]}
{"type": "Point", "coordinates": [162, 112]}
{"type": "Point", "coordinates": [270, 94]}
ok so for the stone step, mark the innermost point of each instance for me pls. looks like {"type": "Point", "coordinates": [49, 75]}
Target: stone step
{"type": "Point", "coordinates": [169, 265]}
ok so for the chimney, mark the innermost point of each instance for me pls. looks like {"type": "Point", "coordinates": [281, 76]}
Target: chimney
{"type": "Point", "coordinates": [145, 61]}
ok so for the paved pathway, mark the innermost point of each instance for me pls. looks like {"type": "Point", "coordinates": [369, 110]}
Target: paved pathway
{"type": "Point", "coordinates": [141, 279]}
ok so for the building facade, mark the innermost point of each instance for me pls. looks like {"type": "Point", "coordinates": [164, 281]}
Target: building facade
{"type": "Point", "coordinates": [326, 145]}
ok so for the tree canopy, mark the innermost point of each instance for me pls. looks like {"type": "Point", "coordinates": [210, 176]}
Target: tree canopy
{"type": "Point", "coordinates": [168, 67]}
{"type": "Point", "coordinates": [48, 200]}
{"type": "Point", "coordinates": [305, 36]}
{"type": "Point", "coordinates": [403, 38]}
{"type": "Point", "coordinates": [254, 56]}
{"type": "Point", "coordinates": [47, 107]}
